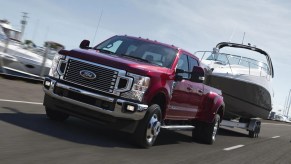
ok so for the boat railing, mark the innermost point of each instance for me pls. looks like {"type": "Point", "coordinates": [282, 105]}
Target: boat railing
{"type": "Point", "coordinates": [231, 61]}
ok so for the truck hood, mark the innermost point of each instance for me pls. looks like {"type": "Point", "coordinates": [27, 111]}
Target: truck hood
{"type": "Point", "coordinates": [123, 63]}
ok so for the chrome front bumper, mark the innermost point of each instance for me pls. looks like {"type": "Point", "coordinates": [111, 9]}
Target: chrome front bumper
{"type": "Point", "coordinates": [120, 105]}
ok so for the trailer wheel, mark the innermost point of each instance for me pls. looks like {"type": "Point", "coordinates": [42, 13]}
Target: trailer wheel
{"type": "Point", "coordinates": [255, 133]}
{"type": "Point", "coordinates": [56, 115]}
{"type": "Point", "coordinates": [149, 127]}
{"type": "Point", "coordinates": [206, 132]}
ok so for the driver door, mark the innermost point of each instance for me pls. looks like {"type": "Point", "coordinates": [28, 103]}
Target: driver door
{"type": "Point", "coordinates": [180, 106]}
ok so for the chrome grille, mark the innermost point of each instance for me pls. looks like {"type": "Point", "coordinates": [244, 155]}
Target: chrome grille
{"type": "Point", "coordinates": [105, 78]}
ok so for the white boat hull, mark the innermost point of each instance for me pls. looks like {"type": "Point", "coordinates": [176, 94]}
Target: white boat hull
{"type": "Point", "coordinates": [243, 98]}
{"type": "Point", "coordinates": [21, 62]}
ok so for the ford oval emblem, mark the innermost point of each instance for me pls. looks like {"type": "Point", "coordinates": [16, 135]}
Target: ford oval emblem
{"type": "Point", "coordinates": [88, 74]}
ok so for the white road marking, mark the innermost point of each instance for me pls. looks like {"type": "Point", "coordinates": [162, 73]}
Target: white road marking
{"type": "Point", "coordinates": [276, 124]}
{"type": "Point", "coordinates": [25, 102]}
{"type": "Point", "coordinates": [275, 137]}
{"type": "Point", "coordinates": [233, 147]}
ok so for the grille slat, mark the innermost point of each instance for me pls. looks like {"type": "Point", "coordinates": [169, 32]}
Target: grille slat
{"type": "Point", "coordinates": [89, 83]}
{"type": "Point", "coordinates": [101, 74]}
{"type": "Point", "coordinates": [100, 86]}
{"type": "Point", "coordinates": [105, 80]}
{"type": "Point", "coordinates": [95, 67]}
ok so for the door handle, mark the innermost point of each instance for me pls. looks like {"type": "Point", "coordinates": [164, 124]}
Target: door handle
{"type": "Point", "coordinates": [200, 92]}
{"type": "Point", "coordinates": [189, 88]}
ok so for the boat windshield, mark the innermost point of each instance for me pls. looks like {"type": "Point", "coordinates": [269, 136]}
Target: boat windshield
{"type": "Point", "coordinates": [2, 35]}
{"type": "Point", "coordinates": [225, 59]}
{"type": "Point", "coordinates": [140, 50]}
{"type": "Point", "coordinates": [237, 59]}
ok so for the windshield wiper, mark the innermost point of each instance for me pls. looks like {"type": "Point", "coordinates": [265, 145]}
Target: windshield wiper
{"type": "Point", "coordinates": [134, 57]}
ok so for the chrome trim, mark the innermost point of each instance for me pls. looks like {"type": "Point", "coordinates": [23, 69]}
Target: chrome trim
{"type": "Point", "coordinates": [178, 127]}
{"type": "Point", "coordinates": [94, 95]}
{"type": "Point", "coordinates": [128, 85]}
{"type": "Point", "coordinates": [117, 112]}
{"type": "Point", "coordinates": [153, 128]}
{"type": "Point", "coordinates": [59, 67]}
{"type": "Point", "coordinates": [121, 74]}
{"type": "Point", "coordinates": [140, 107]}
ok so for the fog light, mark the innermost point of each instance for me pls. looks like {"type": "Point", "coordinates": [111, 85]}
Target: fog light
{"type": "Point", "coordinates": [130, 108]}
{"type": "Point", "coordinates": [47, 83]}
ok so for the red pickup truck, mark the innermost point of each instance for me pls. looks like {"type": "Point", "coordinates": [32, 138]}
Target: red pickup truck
{"type": "Point", "coordinates": [135, 85]}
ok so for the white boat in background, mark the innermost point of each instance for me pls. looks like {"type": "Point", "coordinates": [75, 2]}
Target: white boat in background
{"type": "Point", "coordinates": [244, 74]}
{"type": "Point", "coordinates": [17, 60]}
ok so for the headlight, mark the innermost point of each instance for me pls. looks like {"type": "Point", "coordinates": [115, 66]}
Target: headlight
{"type": "Point", "coordinates": [53, 71]}
{"type": "Point", "coordinates": [140, 86]}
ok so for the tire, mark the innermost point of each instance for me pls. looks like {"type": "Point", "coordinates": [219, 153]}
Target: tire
{"type": "Point", "coordinates": [197, 132]}
{"type": "Point", "coordinates": [149, 127]}
{"type": "Point", "coordinates": [256, 132]}
{"type": "Point", "coordinates": [206, 132]}
{"type": "Point", "coordinates": [56, 115]}
{"type": "Point", "coordinates": [252, 134]}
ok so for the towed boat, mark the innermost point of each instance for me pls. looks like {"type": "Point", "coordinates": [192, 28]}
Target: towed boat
{"type": "Point", "coordinates": [244, 74]}
{"type": "Point", "coordinates": [17, 60]}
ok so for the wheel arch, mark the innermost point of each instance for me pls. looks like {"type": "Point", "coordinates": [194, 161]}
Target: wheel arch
{"type": "Point", "coordinates": [160, 99]}
{"type": "Point", "coordinates": [220, 111]}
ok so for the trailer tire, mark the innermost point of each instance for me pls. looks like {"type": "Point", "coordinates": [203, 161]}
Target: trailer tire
{"type": "Point", "coordinates": [149, 127]}
{"type": "Point", "coordinates": [255, 133]}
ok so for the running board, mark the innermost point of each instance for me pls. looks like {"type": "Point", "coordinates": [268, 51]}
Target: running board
{"type": "Point", "coordinates": [178, 127]}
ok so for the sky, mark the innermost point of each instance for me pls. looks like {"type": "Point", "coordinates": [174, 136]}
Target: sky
{"type": "Point", "coordinates": [191, 25]}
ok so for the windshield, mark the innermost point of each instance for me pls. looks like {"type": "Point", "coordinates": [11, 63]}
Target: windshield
{"type": "Point", "coordinates": [12, 34]}
{"type": "Point", "coordinates": [136, 49]}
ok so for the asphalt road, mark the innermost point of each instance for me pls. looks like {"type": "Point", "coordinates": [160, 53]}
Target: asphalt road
{"type": "Point", "coordinates": [27, 136]}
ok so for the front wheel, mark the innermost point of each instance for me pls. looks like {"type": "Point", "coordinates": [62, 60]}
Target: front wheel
{"type": "Point", "coordinates": [149, 127]}
{"type": "Point", "coordinates": [206, 132]}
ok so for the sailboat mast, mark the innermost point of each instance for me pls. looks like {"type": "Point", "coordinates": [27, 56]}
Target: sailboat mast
{"type": "Point", "coordinates": [288, 103]}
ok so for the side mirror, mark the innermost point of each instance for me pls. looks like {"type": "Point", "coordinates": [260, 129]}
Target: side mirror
{"type": "Point", "coordinates": [85, 44]}
{"type": "Point", "coordinates": [179, 71]}
{"type": "Point", "coordinates": [197, 74]}
{"type": "Point", "coordinates": [178, 78]}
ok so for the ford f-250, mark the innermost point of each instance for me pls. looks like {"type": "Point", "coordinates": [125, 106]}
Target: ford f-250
{"type": "Point", "coordinates": [135, 85]}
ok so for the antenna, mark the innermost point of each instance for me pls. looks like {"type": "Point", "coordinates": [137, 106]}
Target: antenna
{"type": "Point", "coordinates": [35, 30]}
{"type": "Point", "coordinates": [243, 38]}
{"type": "Point", "coordinates": [233, 32]}
{"type": "Point", "coordinates": [98, 25]}
{"type": "Point", "coordinates": [47, 32]}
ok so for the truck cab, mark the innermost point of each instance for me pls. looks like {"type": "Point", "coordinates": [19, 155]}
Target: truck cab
{"type": "Point", "coordinates": [135, 85]}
